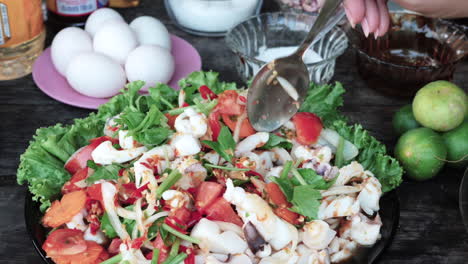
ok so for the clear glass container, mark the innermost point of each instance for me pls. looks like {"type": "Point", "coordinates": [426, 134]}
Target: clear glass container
{"type": "Point", "coordinates": [212, 18]}
{"type": "Point", "coordinates": [22, 36]}
{"type": "Point", "coordinates": [284, 30]}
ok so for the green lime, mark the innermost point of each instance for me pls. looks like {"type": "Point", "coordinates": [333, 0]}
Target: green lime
{"type": "Point", "coordinates": [440, 105]}
{"type": "Point", "coordinates": [403, 120]}
{"type": "Point", "coordinates": [457, 146]}
{"type": "Point", "coordinates": [421, 152]}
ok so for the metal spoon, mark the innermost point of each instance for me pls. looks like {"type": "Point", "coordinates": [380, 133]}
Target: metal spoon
{"type": "Point", "coordinates": [280, 86]}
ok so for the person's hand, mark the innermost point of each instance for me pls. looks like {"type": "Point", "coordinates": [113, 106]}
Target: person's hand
{"type": "Point", "coordinates": [371, 14]}
{"type": "Point", "coordinates": [374, 18]}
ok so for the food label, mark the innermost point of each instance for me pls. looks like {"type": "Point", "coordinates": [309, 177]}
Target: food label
{"type": "Point", "coordinates": [75, 7]}
{"type": "Point", "coordinates": [20, 21]}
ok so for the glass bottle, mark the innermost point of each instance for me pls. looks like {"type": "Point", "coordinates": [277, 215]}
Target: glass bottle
{"type": "Point", "coordinates": [67, 13]}
{"type": "Point", "coordinates": [22, 36]}
{"type": "Point", "coordinates": [124, 3]}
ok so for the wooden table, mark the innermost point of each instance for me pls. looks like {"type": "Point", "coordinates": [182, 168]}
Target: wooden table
{"type": "Point", "coordinates": [431, 229]}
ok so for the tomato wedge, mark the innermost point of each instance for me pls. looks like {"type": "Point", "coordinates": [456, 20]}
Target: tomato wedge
{"type": "Point", "coordinates": [71, 185]}
{"type": "Point", "coordinates": [246, 128]}
{"type": "Point", "coordinates": [227, 103]}
{"type": "Point", "coordinates": [94, 254]}
{"type": "Point", "coordinates": [207, 193]}
{"type": "Point", "coordinates": [64, 242]}
{"type": "Point", "coordinates": [308, 127]}
{"type": "Point", "coordinates": [63, 211]}
{"type": "Point", "coordinates": [79, 159]}
{"type": "Point", "coordinates": [276, 195]}
{"type": "Point", "coordinates": [94, 193]}
{"type": "Point", "coordinates": [221, 210]}
{"type": "Point", "coordinates": [288, 216]}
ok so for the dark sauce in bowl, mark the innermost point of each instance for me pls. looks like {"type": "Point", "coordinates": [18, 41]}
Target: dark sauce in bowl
{"type": "Point", "coordinates": [414, 52]}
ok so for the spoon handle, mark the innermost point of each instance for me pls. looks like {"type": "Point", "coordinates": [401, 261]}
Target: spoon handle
{"type": "Point", "coordinates": [325, 18]}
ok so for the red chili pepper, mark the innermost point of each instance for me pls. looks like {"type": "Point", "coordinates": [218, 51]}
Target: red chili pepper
{"type": "Point", "coordinates": [121, 171]}
{"type": "Point", "coordinates": [132, 192]}
{"type": "Point", "coordinates": [185, 104]}
{"type": "Point", "coordinates": [254, 173]}
{"type": "Point", "coordinates": [174, 223]}
{"type": "Point", "coordinates": [136, 243]}
{"type": "Point", "coordinates": [207, 93]}
{"type": "Point", "coordinates": [215, 125]}
{"type": "Point", "coordinates": [243, 99]}
{"type": "Point", "coordinates": [190, 259]}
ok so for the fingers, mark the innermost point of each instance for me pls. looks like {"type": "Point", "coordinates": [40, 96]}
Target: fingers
{"type": "Point", "coordinates": [384, 18]}
{"type": "Point", "coordinates": [355, 11]}
{"type": "Point", "coordinates": [371, 21]}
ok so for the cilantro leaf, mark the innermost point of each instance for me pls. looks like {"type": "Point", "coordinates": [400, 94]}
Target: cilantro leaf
{"type": "Point", "coordinates": [313, 179]}
{"type": "Point", "coordinates": [108, 172]}
{"type": "Point", "coordinates": [285, 185]}
{"type": "Point", "coordinates": [306, 201]}
{"type": "Point", "coordinates": [275, 141]}
{"type": "Point", "coordinates": [225, 145]}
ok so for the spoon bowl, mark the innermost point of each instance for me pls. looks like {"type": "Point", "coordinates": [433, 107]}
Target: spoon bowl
{"type": "Point", "coordinates": [280, 86]}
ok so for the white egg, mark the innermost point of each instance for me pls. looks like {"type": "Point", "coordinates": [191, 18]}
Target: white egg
{"type": "Point", "coordinates": [95, 75]}
{"type": "Point", "coordinates": [150, 63]}
{"type": "Point", "coordinates": [68, 43]}
{"type": "Point", "coordinates": [115, 39]}
{"type": "Point", "coordinates": [150, 31]}
{"type": "Point", "coordinates": [98, 17]}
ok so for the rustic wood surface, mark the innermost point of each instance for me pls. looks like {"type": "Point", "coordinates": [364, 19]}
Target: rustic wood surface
{"type": "Point", "coordinates": [431, 229]}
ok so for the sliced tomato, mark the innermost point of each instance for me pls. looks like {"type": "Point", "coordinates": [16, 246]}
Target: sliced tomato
{"type": "Point", "coordinates": [227, 103]}
{"type": "Point", "coordinates": [288, 216]}
{"type": "Point", "coordinates": [163, 249]}
{"type": "Point", "coordinates": [114, 246]}
{"type": "Point", "coordinates": [65, 242]}
{"type": "Point", "coordinates": [182, 214]}
{"type": "Point", "coordinates": [221, 210]}
{"type": "Point", "coordinates": [276, 195]}
{"type": "Point", "coordinates": [246, 128]}
{"type": "Point", "coordinates": [63, 211]}
{"type": "Point", "coordinates": [207, 93]}
{"type": "Point", "coordinates": [207, 193]}
{"type": "Point", "coordinates": [91, 256]}
{"type": "Point", "coordinates": [80, 158]}
{"type": "Point", "coordinates": [308, 127]}
{"type": "Point", "coordinates": [171, 120]}
{"type": "Point", "coordinates": [71, 185]}
{"type": "Point", "coordinates": [94, 193]}
{"type": "Point", "coordinates": [215, 125]}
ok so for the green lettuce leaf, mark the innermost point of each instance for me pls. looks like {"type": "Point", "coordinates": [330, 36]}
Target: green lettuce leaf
{"type": "Point", "coordinates": [324, 101]}
{"type": "Point", "coordinates": [372, 154]}
{"type": "Point", "coordinates": [41, 165]}
{"type": "Point", "coordinates": [191, 83]}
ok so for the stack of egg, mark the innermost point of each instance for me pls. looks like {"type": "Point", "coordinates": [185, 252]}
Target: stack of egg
{"type": "Point", "coordinates": [99, 60]}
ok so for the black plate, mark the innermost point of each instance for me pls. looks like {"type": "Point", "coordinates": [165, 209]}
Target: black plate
{"type": "Point", "coordinates": [389, 213]}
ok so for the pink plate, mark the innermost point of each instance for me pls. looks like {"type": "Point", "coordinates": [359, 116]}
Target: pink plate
{"type": "Point", "coordinates": [187, 60]}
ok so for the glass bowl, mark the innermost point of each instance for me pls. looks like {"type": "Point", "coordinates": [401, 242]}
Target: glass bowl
{"type": "Point", "coordinates": [275, 30]}
{"type": "Point", "coordinates": [210, 18]}
{"type": "Point", "coordinates": [416, 50]}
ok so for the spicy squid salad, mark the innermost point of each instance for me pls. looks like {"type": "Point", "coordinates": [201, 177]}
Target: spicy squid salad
{"type": "Point", "coordinates": [182, 177]}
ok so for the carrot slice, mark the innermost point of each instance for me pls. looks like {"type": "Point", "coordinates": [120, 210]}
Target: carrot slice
{"type": "Point", "coordinates": [63, 211]}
